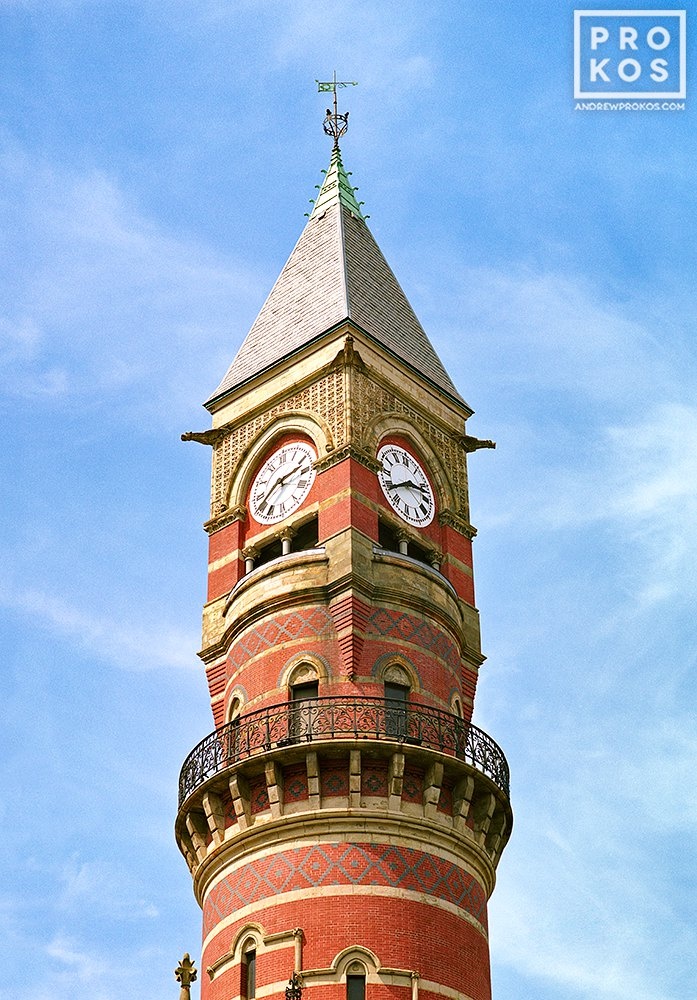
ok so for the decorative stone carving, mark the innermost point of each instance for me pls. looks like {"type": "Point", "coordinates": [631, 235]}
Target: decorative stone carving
{"type": "Point", "coordinates": [324, 396]}
{"type": "Point", "coordinates": [186, 974]}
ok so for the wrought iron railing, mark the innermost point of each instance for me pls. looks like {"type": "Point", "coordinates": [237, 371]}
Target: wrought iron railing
{"type": "Point", "coordinates": [341, 718]}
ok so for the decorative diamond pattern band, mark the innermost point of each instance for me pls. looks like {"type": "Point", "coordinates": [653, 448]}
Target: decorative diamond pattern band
{"type": "Point", "coordinates": [321, 865]}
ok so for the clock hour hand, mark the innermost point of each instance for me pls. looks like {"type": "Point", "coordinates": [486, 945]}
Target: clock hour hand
{"type": "Point", "coordinates": [281, 481]}
{"type": "Point", "coordinates": [409, 484]}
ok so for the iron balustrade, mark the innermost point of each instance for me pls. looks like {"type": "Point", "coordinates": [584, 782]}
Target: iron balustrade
{"type": "Point", "coordinates": [341, 718]}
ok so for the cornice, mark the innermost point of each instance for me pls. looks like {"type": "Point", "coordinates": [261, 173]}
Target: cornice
{"type": "Point", "coordinates": [351, 824]}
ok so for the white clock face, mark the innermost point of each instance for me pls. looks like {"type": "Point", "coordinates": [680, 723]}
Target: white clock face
{"type": "Point", "coordinates": [283, 482]}
{"type": "Point", "coordinates": [406, 485]}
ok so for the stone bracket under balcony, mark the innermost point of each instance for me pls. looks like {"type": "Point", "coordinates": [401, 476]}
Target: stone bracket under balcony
{"type": "Point", "coordinates": [344, 755]}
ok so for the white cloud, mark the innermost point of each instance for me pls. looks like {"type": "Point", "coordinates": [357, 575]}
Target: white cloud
{"type": "Point", "coordinates": [102, 300]}
{"type": "Point", "coordinates": [610, 442]}
{"type": "Point", "coordinates": [387, 42]}
{"type": "Point", "coordinates": [129, 646]}
{"type": "Point", "coordinates": [556, 332]}
{"type": "Point", "coordinates": [105, 889]}
{"type": "Point", "coordinates": [640, 480]}
{"type": "Point", "coordinates": [589, 908]}
{"type": "Point", "coordinates": [85, 966]}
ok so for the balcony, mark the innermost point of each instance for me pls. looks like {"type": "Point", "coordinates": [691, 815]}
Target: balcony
{"type": "Point", "coordinates": [342, 718]}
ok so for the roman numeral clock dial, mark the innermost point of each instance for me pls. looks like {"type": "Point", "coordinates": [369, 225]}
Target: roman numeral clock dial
{"type": "Point", "coordinates": [406, 486]}
{"type": "Point", "coordinates": [282, 483]}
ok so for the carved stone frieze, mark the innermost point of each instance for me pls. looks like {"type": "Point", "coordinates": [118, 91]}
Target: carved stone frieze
{"type": "Point", "coordinates": [370, 399]}
{"type": "Point", "coordinates": [325, 397]}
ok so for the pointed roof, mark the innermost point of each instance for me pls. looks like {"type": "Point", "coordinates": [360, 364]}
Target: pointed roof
{"type": "Point", "coordinates": [335, 273]}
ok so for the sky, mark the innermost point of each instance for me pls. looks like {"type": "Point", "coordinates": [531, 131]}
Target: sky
{"type": "Point", "coordinates": [156, 161]}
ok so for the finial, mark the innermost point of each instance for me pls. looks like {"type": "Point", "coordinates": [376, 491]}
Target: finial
{"type": "Point", "coordinates": [294, 989]}
{"type": "Point", "coordinates": [185, 973]}
{"type": "Point", "coordinates": [335, 124]}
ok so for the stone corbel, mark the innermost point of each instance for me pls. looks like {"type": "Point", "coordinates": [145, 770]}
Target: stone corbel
{"type": "Point", "coordinates": [197, 827]}
{"type": "Point", "coordinates": [482, 811]}
{"type": "Point", "coordinates": [239, 792]}
{"type": "Point", "coordinates": [312, 767]}
{"type": "Point", "coordinates": [274, 787]}
{"type": "Point", "coordinates": [355, 779]}
{"type": "Point", "coordinates": [453, 520]}
{"type": "Point", "coordinates": [432, 787]}
{"type": "Point", "coordinates": [222, 516]}
{"type": "Point", "coordinates": [215, 816]}
{"type": "Point", "coordinates": [462, 800]}
{"type": "Point", "coordinates": [395, 781]}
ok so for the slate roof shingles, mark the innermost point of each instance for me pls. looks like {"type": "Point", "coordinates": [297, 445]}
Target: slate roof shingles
{"type": "Point", "coordinates": [335, 272]}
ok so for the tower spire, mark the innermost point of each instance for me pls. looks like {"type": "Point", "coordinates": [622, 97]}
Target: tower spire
{"type": "Point", "coordinates": [345, 818]}
{"type": "Point", "coordinates": [335, 124]}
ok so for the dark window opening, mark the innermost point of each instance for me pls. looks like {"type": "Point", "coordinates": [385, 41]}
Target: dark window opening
{"type": "Point", "coordinates": [300, 692]}
{"type": "Point", "coordinates": [250, 977]}
{"type": "Point", "coordinates": [396, 709]}
{"type": "Point", "coordinates": [306, 537]}
{"type": "Point", "coordinates": [417, 551]}
{"type": "Point", "coordinates": [355, 988]}
{"type": "Point", "coordinates": [387, 537]}
{"type": "Point", "coordinates": [302, 711]}
{"type": "Point", "coordinates": [271, 551]}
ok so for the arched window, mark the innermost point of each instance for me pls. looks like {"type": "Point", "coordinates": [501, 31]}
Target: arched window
{"type": "Point", "coordinates": [232, 729]}
{"type": "Point", "coordinates": [397, 687]}
{"type": "Point", "coordinates": [355, 982]}
{"type": "Point", "coordinates": [248, 970]}
{"type": "Point", "coordinates": [304, 689]}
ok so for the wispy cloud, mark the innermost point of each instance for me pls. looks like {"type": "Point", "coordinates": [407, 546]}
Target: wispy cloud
{"type": "Point", "coordinates": [555, 332]}
{"type": "Point", "coordinates": [85, 966]}
{"type": "Point", "coordinates": [102, 300]}
{"type": "Point", "coordinates": [619, 448]}
{"type": "Point", "coordinates": [107, 890]}
{"type": "Point", "coordinates": [128, 646]}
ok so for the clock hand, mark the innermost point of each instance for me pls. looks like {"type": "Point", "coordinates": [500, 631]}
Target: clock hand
{"type": "Point", "coordinates": [281, 481]}
{"type": "Point", "coordinates": [409, 484]}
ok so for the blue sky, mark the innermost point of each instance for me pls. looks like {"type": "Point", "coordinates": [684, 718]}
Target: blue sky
{"type": "Point", "coordinates": [156, 160]}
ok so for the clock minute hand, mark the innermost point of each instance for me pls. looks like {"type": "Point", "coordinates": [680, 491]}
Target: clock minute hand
{"type": "Point", "coordinates": [409, 484]}
{"type": "Point", "coordinates": [281, 481]}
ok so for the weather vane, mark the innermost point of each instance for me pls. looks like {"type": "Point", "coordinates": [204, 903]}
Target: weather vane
{"type": "Point", "coordinates": [335, 124]}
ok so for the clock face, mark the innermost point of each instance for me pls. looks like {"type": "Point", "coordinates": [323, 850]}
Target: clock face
{"type": "Point", "coordinates": [283, 482]}
{"type": "Point", "coordinates": [406, 485]}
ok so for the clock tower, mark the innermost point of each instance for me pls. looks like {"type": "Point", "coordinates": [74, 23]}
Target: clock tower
{"type": "Point", "coordinates": [344, 820]}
